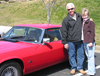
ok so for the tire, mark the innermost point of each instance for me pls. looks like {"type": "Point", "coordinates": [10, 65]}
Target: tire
{"type": "Point", "coordinates": [10, 69]}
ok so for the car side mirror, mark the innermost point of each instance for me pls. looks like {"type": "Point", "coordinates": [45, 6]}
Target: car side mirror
{"type": "Point", "coordinates": [46, 40]}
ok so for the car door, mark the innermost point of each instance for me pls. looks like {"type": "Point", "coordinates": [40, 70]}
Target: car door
{"type": "Point", "coordinates": [52, 52]}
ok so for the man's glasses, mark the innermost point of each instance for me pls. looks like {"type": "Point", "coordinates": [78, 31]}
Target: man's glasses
{"type": "Point", "coordinates": [70, 9]}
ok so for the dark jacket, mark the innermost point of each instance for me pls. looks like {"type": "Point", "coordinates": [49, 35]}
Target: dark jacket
{"type": "Point", "coordinates": [71, 29]}
{"type": "Point", "coordinates": [89, 32]}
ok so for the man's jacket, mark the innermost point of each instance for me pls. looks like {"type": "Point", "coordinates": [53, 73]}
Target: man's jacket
{"type": "Point", "coordinates": [71, 29]}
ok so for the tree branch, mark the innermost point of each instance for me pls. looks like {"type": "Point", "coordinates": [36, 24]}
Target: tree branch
{"type": "Point", "coordinates": [45, 4]}
{"type": "Point", "coordinates": [54, 1]}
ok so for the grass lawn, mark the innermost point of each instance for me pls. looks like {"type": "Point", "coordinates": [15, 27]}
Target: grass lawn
{"type": "Point", "coordinates": [30, 12]}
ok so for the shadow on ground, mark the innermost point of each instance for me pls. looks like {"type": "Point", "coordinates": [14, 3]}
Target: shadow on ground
{"type": "Point", "coordinates": [61, 69]}
{"type": "Point", "coordinates": [51, 70]}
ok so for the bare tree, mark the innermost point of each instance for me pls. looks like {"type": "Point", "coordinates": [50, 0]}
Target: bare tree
{"type": "Point", "coordinates": [49, 5]}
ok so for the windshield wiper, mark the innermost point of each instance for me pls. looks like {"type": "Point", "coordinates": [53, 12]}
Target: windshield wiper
{"type": "Point", "coordinates": [9, 39]}
{"type": "Point", "coordinates": [3, 38]}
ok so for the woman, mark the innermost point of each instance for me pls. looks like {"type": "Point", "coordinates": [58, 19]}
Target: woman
{"type": "Point", "coordinates": [88, 37]}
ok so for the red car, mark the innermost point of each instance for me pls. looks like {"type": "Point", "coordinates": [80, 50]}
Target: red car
{"type": "Point", "coordinates": [30, 47]}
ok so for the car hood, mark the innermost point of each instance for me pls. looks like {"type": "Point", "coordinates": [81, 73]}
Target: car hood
{"type": "Point", "coordinates": [6, 46]}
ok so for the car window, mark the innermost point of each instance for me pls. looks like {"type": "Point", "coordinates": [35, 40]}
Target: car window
{"type": "Point", "coordinates": [18, 32]}
{"type": "Point", "coordinates": [53, 34]}
{"type": "Point", "coordinates": [26, 34]}
{"type": "Point", "coordinates": [34, 33]}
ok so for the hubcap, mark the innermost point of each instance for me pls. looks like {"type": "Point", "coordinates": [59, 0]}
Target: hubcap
{"type": "Point", "coordinates": [10, 71]}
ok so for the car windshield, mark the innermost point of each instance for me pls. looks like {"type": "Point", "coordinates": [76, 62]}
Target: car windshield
{"type": "Point", "coordinates": [26, 34]}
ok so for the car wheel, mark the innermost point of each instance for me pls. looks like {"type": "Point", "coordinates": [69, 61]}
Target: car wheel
{"type": "Point", "coordinates": [10, 69]}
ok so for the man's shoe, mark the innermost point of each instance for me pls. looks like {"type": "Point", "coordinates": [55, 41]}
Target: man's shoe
{"type": "Point", "coordinates": [72, 72]}
{"type": "Point", "coordinates": [82, 71]}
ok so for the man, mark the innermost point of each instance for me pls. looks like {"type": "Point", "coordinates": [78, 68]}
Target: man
{"type": "Point", "coordinates": [71, 38]}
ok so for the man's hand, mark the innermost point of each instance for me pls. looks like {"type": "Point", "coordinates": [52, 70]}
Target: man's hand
{"type": "Point", "coordinates": [66, 46]}
{"type": "Point", "coordinates": [90, 44]}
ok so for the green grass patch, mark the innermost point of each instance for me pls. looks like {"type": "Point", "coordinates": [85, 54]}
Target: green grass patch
{"type": "Point", "coordinates": [30, 12]}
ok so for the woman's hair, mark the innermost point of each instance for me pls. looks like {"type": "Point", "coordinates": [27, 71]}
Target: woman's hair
{"type": "Point", "coordinates": [85, 11]}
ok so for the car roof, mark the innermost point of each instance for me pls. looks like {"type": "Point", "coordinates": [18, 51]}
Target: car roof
{"type": "Point", "coordinates": [43, 26]}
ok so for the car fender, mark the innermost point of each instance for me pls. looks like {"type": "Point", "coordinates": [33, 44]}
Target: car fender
{"type": "Point", "coordinates": [10, 58]}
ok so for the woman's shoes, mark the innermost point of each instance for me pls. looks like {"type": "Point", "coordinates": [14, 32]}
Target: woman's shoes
{"type": "Point", "coordinates": [87, 75]}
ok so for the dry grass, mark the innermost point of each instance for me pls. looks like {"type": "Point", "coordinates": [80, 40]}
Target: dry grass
{"type": "Point", "coordinates": [34, 11]}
